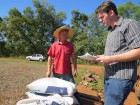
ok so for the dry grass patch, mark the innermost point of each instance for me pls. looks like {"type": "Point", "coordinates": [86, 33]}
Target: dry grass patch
{"type": "Point", "coordinates": [14, 78]}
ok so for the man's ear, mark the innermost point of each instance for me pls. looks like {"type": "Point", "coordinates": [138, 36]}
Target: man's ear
{"type": "Point", "coordinates": [111, 12]}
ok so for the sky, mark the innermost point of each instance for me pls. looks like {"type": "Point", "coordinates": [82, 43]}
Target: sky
{"type": "Point", "coordinates": [83, 6]}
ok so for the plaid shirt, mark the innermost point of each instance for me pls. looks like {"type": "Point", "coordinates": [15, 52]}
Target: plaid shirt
{"type": "Point", "coordinates": [124, 37]}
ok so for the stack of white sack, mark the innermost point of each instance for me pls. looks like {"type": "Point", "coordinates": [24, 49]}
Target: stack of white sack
{"type": "Point", "coordinates": [50, 91]}
{"type": "Point", "coordinates": [54, 99]}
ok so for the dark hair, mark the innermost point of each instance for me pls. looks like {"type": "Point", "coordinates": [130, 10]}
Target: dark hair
{"type": "Point", "coordinates": [106, 7]}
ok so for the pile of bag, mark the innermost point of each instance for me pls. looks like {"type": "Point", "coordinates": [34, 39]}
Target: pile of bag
{"type": "Point", "coordinates": [50, 91]}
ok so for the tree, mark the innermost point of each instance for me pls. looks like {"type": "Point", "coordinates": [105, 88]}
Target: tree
{"type": "Point", "coordinates": [97, 35]}
{"type": "Point", "coordinates": [89, 35]}
{"type": "Point", "coordinates": [79, 24]}
{"type": "Point", "coordinates": [31, 32]}
{"type": "Point", "coordinates": [129, 10]}
{"type": "Point", "coordinates": [3, 50]}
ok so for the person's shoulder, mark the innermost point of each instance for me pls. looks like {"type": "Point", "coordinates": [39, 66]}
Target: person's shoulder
{"type": "Point", "coordinates": [129, 21]}
{"type": "Point", "coordinates": [54, 44]}
{"type": "Point", "coordinates": [70, 43]}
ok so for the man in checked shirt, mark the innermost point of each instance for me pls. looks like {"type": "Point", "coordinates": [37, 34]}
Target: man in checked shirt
{"type": "Point", "coordinates": [122, 51]}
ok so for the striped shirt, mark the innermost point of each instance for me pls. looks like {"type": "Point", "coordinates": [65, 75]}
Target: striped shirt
{"type": "Point", "coordinates": [124, 37]}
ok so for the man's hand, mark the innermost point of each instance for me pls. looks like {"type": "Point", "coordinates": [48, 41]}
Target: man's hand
{"type": "Point", "coordinates": [48, 74]}
{"type": "Point", "coordinates": [75, 73]}
{"type": "Point", "coordinates": [103, 59]}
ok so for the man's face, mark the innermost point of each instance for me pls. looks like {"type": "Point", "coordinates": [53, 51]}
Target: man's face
{"type": "Point", "coordinates": [63, 34]}
{"type": "Point", "coordinates": [104, 18]}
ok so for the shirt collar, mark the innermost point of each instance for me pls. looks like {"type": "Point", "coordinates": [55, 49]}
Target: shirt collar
{"type": "Point", "coordinates": [118, 23]}
{"type": "Point", "coordinates": [60, 43]}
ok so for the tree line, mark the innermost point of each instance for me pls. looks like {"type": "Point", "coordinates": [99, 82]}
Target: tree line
{"type": "Point", "coordinates": [30, 32]}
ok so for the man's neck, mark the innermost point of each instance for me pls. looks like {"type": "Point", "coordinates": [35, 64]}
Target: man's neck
{"type": "Point", "coordinates": [114, 21]}
{"type": "Point", "coordinates": [62, 41]}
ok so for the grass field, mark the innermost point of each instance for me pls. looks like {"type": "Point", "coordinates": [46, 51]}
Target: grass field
{"type": "Point", "coordinates": [15, 74]}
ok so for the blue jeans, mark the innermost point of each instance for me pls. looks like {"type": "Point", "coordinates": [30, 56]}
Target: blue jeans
{"type": "Point", "coordinates": [116, 91]}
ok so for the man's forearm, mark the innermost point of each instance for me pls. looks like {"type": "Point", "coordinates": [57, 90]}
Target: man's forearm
{"type": "Point", "coordinates": [49, 63]}
{"type": "Point", "coordinates": [127, 56]}
{"type": "Point", "coordinates": [74, 60]}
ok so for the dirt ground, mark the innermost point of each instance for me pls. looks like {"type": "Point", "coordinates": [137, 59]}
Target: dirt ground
{"type": "Point", "coordinates": [16, 74]}
{"type": "Point", "coordinates": [131, 100]}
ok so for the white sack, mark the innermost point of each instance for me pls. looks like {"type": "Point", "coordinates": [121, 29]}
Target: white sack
{"type": "Point", "coordinates": [27, 102]}
{"type": "Point", "coordinates": [71, 100]}
{"type": "Point", "coordinates": [53, 85]}
{"type": "Point", "coordinates": [48, 100]}
{"type": "Point", "coordinates": [53, 100]}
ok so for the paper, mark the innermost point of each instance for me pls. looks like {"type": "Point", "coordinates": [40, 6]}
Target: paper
{"type": "Point", "coordinates": [88, 56]}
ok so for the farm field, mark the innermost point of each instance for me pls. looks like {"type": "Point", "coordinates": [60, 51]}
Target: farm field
{"type": "Point", "coordinates": [15, 74]}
